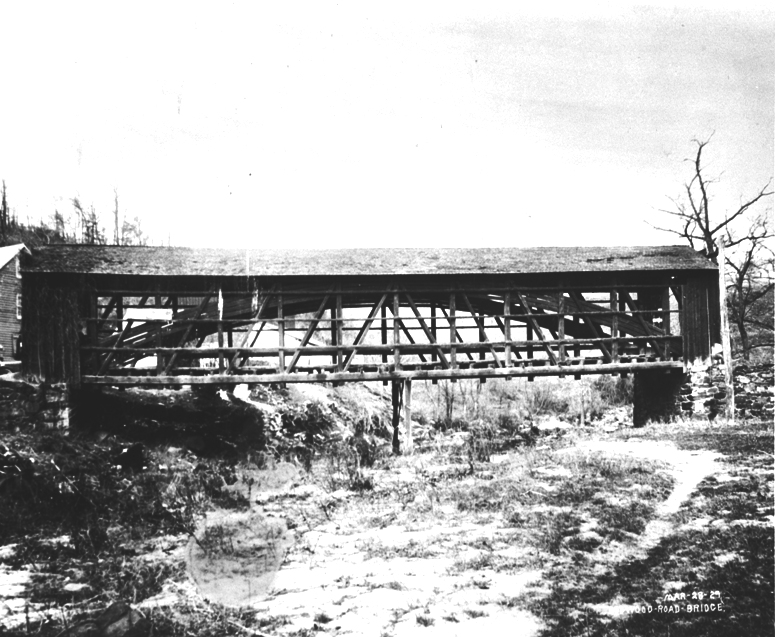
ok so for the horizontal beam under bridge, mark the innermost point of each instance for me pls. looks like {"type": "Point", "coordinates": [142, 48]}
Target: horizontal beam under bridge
{"type": "Point", "coordinates": [359, 377]}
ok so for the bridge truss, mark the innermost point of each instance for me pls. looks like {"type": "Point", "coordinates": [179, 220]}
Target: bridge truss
{"type": "Point", "coordinates": [380, 329]}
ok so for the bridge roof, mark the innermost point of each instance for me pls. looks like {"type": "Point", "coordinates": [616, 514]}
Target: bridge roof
{"type": "Point", "coordinates": [176, 261]}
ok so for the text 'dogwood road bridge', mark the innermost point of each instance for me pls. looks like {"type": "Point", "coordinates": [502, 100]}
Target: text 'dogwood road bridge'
{"type": "Point", "coordinates": [177, 316]}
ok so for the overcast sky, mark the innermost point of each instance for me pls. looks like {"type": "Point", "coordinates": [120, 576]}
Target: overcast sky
{"type": "Point", "coordinates": [339, 124]}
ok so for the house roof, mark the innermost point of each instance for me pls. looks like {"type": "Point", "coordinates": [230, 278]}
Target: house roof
{"type": "Point", "coordinates": [172, 261]}
{"type": "Point", "coordinates": [7, 253]}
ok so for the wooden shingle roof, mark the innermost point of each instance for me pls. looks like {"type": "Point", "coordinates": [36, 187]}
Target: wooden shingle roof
{"type": "Point", "coordinates": [172, 261]}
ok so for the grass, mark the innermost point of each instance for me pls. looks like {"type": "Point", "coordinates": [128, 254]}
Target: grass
{"type": "Point", "coordinates": [575, 516]}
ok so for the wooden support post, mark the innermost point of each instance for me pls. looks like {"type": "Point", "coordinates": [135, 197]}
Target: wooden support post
{"type": "Point", "coordinates": [220, 331]}
{"type": "Point", "coordinates": [396, 402]}
{"type": "Point", "coordinates": [159, 355]}
{"type": "Point", "coordinates": [396, 333]}
{"type": "Point", "coordinates": [452, 332]}
{"type": "Point", "coordinates": [480, 325]}
{"type": "Point", "coordinates": [614, 305]}
{"type": "Point", "coordinates": [332, 329]}
{"type": "Point", "coordinates": [433, 330]}
{"type": "Point", "coordinates": [408, 443]}
{"type": "Point", "coordinates": [507, 327]}
{"type": "Point", "coordinates": [666, 321]}
{"type": "Point", "coordinates": [120, 313]}
{"type": "Point", "coordinates": [561, 325]}
{"type": "Point", "coordinates": [280, 332]}
{"type": "Point", "coordinates": [92, 329]}
{"type": "Point", "coordinates": [339, 331]}
{"type": "Point", "coordinates": [383, 336]}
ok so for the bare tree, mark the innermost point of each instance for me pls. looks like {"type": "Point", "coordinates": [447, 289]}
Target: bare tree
{"type": "Point", "coordinates": [3, 217]}
{"type": "Point", "coordinates": [115, 217]}
{"type": "Point", "coordinates": [748, 254]}
{"type": "Point", "coordinates": [751, 286]}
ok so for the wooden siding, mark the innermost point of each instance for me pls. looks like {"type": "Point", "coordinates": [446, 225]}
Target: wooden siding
{"type": "Point", "coordinates": [51, 331]}
{"type": "Point", "coordinates": [698, 318]}
{"type": "Point", "coordinates": [10, 326]}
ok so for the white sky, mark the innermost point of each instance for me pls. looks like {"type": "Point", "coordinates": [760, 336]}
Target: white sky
{"type": "Point", "coordinates": [339, 124]}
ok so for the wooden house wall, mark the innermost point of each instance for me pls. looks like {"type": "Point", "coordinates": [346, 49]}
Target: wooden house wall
{"type": "Point", "coordinates": [10, 325]}
{"type": "Point", "coordinates": [51, 329]}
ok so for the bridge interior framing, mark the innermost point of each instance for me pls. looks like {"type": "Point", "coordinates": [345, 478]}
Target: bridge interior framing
{"type": "Point", "coordinates": [347, 331]}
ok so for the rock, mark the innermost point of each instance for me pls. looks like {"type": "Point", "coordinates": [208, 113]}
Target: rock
{"type": "Point", "coordinates": [84, 629]}
{"type": "Point", "coordinates": [121, 620]}
{"type": "Point", "coordinates": [584, 541]}
{"type": "Point", "coordinates": [118, 620]}
{"type": "Point", "coordinates": [77, 589]}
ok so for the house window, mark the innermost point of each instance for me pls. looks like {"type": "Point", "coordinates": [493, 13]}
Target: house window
{"type": "Point", "coordinates": [18, 269]}
{"type": "Point", "coordinates": [19, 306]}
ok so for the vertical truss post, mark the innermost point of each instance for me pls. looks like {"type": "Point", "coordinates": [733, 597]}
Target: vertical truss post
{"type": "Point", "coordinates": [280, 331]}
{"type": "Point", "coordinates": [452, 332]}
{"type": "Point", "coordinates": [220, 330]}
{"type": "Point", "coordinates": [92, 328]}
{"type": "Point", "coordinates": [666, 321]}
{"type": "Point", "coordinates": [332, 331]}
{"type": "Point", "coordinates": [561, 325]}
{"type": "Point", "coordinates": [120, 313]}
{"type": "Point", "coordinates": [159, 355]}
{"type": "Point", "coordinates": [396, 333]}
{"type": "Point", "coordinates": [339, 330]}
{"type": "Point", "coordinates": [433, 330]}
{"type": "Point", "coordinates": [507, 327]}
{"type": "Point", "coordinates": [614, 305]}
{"type": "Point", "coordinates": [480, 321]}
{"type": "Point", "coordinates": [383, 336]}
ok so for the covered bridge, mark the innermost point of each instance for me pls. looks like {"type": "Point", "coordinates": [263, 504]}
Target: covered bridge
{"type": "Point", "coordinates": [107, 315]}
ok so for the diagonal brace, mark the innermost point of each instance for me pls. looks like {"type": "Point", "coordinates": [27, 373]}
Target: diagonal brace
{"type": "Point", "coordinates": [536, 329]}
{"type": "Point", "coordinates": [308, 335]}
{"type": "Point", "coordinates": [428, 333]}
{"type": "Point", "coordinates": [363, 332]}
{"type": "Point", "coordinates": [480, 325]}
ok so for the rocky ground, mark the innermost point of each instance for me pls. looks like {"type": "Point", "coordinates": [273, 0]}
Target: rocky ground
{"type": "Point", "coordinates": [561, 529]}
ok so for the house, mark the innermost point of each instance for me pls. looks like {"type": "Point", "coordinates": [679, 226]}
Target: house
{"type": "Point", "coordinates": [10, 301]}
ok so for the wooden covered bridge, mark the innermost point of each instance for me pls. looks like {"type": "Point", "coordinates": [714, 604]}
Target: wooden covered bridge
{"type": "Point", "coordinates": [105, 315]}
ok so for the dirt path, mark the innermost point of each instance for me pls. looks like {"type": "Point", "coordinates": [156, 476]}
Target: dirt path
{"type": "Point", "coordinates": [688, 469]}
{"type": "Point", "coordinates": [380, 566]}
